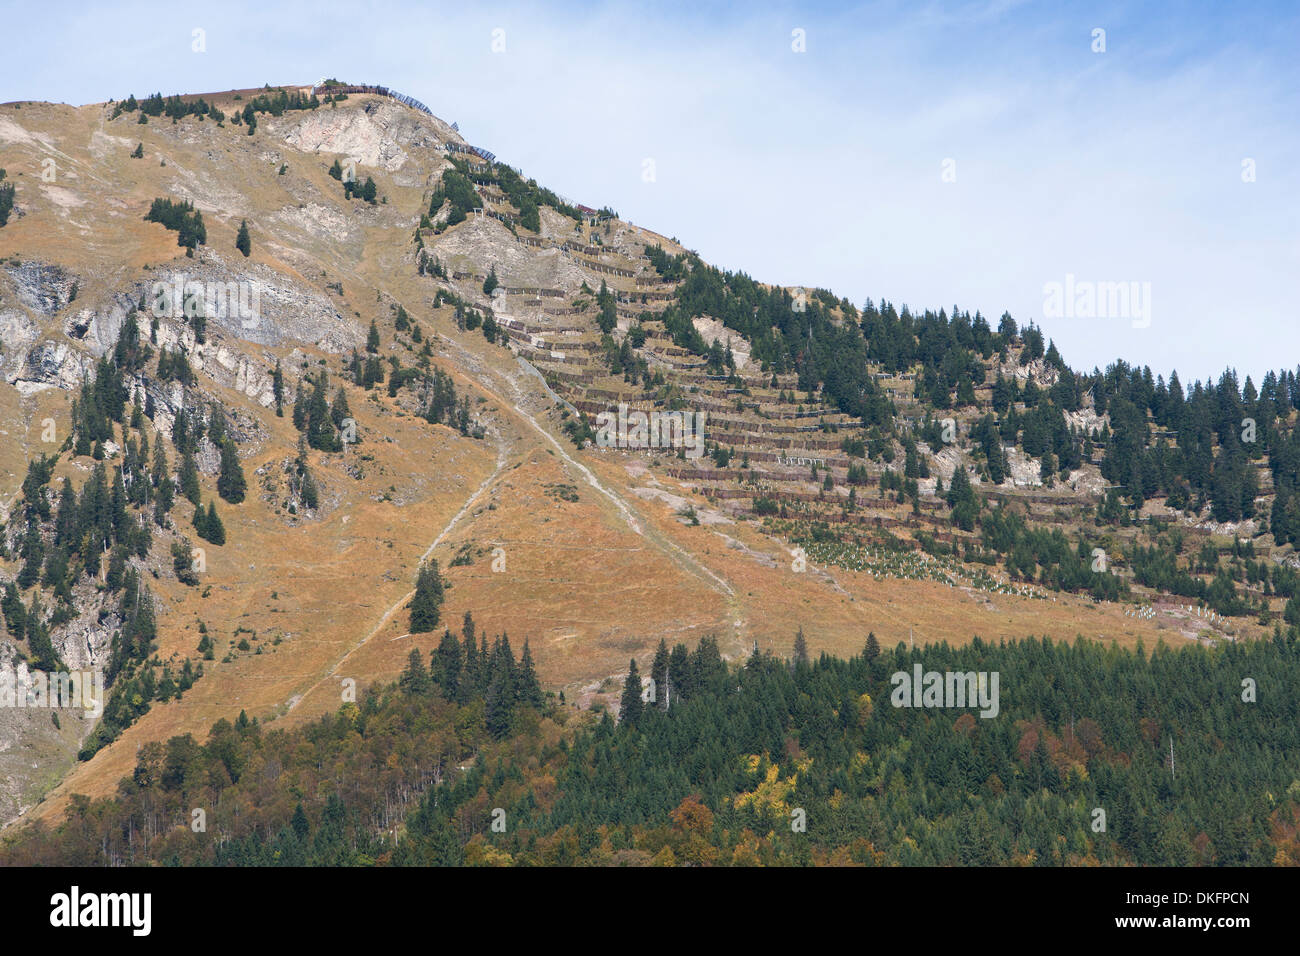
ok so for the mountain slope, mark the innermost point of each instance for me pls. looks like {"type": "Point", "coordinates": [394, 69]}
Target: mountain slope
{"type": "Point", "coordinates": [591, 553]}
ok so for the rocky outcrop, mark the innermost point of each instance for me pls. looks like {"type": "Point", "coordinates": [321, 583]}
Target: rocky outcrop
{"type": "Point", "coordinates": [50, 365]}
{"type": "Point", "coordinates": [17, 334]}
{"type": "Point", "coordinates": [379, 135]}
{"type": "Point", "coordinates": [46, 289]}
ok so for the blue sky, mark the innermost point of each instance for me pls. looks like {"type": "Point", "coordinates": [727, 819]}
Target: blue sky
{"type": "Point", "coordinates": [826, 167]}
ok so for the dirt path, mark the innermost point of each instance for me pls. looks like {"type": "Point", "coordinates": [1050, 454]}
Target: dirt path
{"type": "Point", "coordinates": [506, 384]}
{"type": "Point", "coordinates": [402, 601]}
{"type": "Point", "coordinates": [675, 553]}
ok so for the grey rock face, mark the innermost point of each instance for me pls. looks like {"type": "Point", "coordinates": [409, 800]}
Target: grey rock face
{"type": "Point", "coordinates": [42, 288]}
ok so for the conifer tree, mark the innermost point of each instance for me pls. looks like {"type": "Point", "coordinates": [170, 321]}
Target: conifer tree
{"type": "Point", "coordinates": [310, 493]}
{"type": "Point", "coordinates": [201, 522]}
{"type": "Point", "coordinates": [800, 653]}
{"type": "Point", "coordinates": [38, 638]}
{"type": "Point", "coordinates": [318, 422]}
{"type": "Point", "coordinates": [679, 674]}
{"type": "Point", "coordinates": [426, 605]}
{"type": "Point", "coordinates": [15, 614]}
{"type": "Point", "coordinates": [415, 679]}
{"type": "Point", "coordinates": [216, 531]}
{"type": "Point", "coordinates": [629, 711]}
{"type": "Point", "coordinates": [528, 691]}
{"type": "Point", "coordinates": [231, 484]}
{"type": "Point", "coordinates": [470, 672]}
{"type": "Point", "coordinates": [503, 665]}
{"type": "Point", "coordinates": [190, 479]}
{"type": "Point", "coordinates": [498, 707]}
{"type": "Point", "coordinates": [277, 388]}
{"type": "Point", "coordinates": [339, 410]}
{"type": "Point", "coordinates": [242, 242]}
{"type": "Point", "coordinates": [659, 675]}
{"type": "Point", "coordinates": [448, 667]}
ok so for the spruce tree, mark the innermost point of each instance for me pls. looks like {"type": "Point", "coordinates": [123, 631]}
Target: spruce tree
{"type": "Point", "coordinates": [310, 493]}
{"type": "Point", "coordinates": [629, 710]}
{"type": "Point", "coordinates": [216, 531]}
{"type": "Point", "coordinates": [503, 665]}
{"type": "Point", "coordinates": [321, 433]}
{"type": "Point", "coordinates": [469, 684]}
{"type": "Point", "coordinates": [800, 653]}
{"type": "Point", "coordinates": [242, 242]}
{"type": "Point", "coordinates": [15, 614]}
{"type": "Point", "coordinates": [277, 388]}
{"type": "Point", "coordinates": [679, 674]}
{"type": "Point", "coordinates": [190, 479]}
{"type": "Point", "coordinates": [231, 484]}
{"type": "Point", "coordinates": [659, 675]}
{"type": "Point", "coordinates": [425, 606]}
{"type": "Point", "coordinates": [38, 639]}
{"type": "Point", "coordinates": [415, 679]}
{"type": "Point", "coordinates": [339, 410]}
{"type": "Point", "coordinates": [201, 522]}
{"type": "Point", "coordinates": [498, 707]}
{"type": "Point", "coordinates": [448, 665]}
{"type": "Point", "coordinates": [528, 691]}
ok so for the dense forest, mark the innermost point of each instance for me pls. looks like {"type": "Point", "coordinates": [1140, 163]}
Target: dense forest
{"type": "Point", "coordinates": [1097, 755]}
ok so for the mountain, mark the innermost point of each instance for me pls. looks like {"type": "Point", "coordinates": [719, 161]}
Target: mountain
{"type": "Point", "coordinates": [366, 345]}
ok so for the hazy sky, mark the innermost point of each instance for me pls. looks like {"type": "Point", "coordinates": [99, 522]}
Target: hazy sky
{"type": "Point", "coordinates": [931, 154]}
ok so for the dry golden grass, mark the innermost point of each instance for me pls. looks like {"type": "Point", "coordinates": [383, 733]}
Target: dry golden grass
{"type": "Point", "coordinates": [316, 587]}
